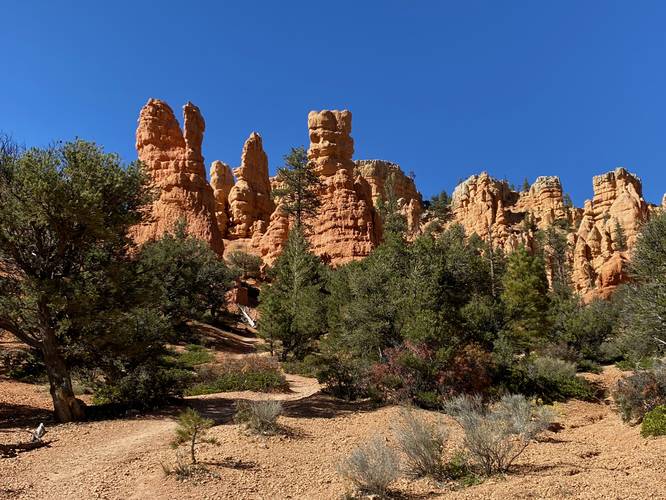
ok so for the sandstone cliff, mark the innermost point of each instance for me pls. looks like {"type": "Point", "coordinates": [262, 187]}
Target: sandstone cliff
{"type": "Point", "coordinates": [172, 157]}
{"type": "Point", "coordinates": [250, 203]}
{"type": "Point", "coordinates": [346, 226]}
{"type": "Point", "coordinates": [377, 173]}
{"type": "Point", "coordinates": [600, 235]}
{"type": "Point", "coordinates": [221, 180]}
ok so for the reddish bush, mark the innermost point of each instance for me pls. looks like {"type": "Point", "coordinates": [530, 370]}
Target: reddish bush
{"type": "Point", "coordinates": [419, 374]}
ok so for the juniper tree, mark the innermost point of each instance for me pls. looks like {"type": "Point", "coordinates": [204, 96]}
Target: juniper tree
{"type": "Point", "coordinates": [299, 187]}
{"type": "Point", "coordinates": [64, 221]}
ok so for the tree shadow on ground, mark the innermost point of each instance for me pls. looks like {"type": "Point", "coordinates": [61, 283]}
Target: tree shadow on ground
{"type": "Point", "coordinates": [24, 416]}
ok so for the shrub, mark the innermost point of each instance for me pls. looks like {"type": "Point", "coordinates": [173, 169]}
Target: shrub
{"type": "Point", "coordinates": [22, 365]}
{"type": "Point", "coordinates": [195, 355]}
{"type": "Point", "coordinates": [654, 422]}
{"type": "Point", "coordinates": [144, 386]}
{"type": "Point", "coordinates": [252, 373]}
{"type": "Point", "coordinates": [244, 264]}
{"type": "Point", "coordinates": [549, 379]}
{"type": "Point", "coordinates": [344, 375]}
{"type": "Point", "coordinates": [498, 434]}
{"type": "Point", "coordinates": [422, 444]}
{"type": "Point", "coordinates": [371, 467]}
{"type": "Point", "coordinates": [418, 374]}
{"type": "Point", "coordinates": [641, 392]}
{"type": "Point", "coordinates": [192, 429]}
{"type": "Point", "coordinates": [259, 417]}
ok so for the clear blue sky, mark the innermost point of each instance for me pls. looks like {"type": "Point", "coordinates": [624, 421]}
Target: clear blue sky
{"type": "Point", "coordinates": [446, 89]}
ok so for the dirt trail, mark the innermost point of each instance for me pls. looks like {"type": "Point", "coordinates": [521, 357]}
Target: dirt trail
{"type": "Point", "coordinates": [594, 456]}
{"type": "Point", "coordinates": [85, 460]}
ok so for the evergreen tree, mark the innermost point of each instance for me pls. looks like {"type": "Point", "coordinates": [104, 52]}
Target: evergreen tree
{"type": "Point", "coordinates": [293, 306]}
{"type": "Point", "coordinates": [393, 221]}
{"type": "Point", "coordinates": [526, 185]}
{"type": "Point", "coordinates": [440, 206]}
{"type": "Point", "coordinates": [643, 319]}
{"type": "Point", "coordinates": [553, 246]}
{"type": "Point", "coordinates": [299, 187]}
{"type": "Point", "coordinates": [64, 220]}
{"type": "Point", "coordinates": [620, 239]}
{"type": "Point", "coordinates": [525, 299]}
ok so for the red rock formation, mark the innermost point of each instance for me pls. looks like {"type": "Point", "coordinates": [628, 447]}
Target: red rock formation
{"type": "Point", "coordinates": [615, 213]}
{"type": "Point", "coordinates": [221, 180]}
{"type": "Point", "coordinates": [175, 164]}
{"type": "Point", "coordinates": [345, 227]}
{"type": "Point", "coordinates": [250, 203]}
{"type": "Point", "coordinates": [377, 173]}
{"type": "Point", "coordinates": [489, 208]}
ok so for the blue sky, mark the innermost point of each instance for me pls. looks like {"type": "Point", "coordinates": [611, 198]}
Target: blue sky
{"type": "Point", "coordinates": [446, 89]}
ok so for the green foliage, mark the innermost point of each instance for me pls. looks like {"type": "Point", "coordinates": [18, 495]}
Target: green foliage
{"type": "Point", "coordinates": [546, 378]}
{"type": "Point", "coordinates": [526, 185]}
{"type": "Point", "coordinates": [654, 422]}
{"type": "Point", "coordinates": [253, 373]}
{"type": "Point", "coordinates": [642, 329]}
{"type": "Point", "coordinates": [64, 221]}
{"type": "Point", "coordinates": [128, 362]}
{"type": "Point", "coordinates": [393, 222]}
{"type": "Point", "coordinates": [440, 206]}
{"type": "Point", "coordinates": [194, 355]}
{"type": "Point", "coordinates": [245, 264]}
{"type": "Point", "coordinates": [22, 364]}
{"type": "Point", "coordinates": [619, 237]}
{"type": "Point", "coordinates": [298, 188]}
{"type": "Point", "coordinates": [192, 428]}
{"type": "Point", "coordinates": [293, 306]}
{"type": "Point", "coordinates": [584, 330]}
{"type": "Point", "coordinates": [525, 299]}
{"type": "Point", "coordinates": [553, 246]}
{"type": "Point", "coordinates": [186, 277]}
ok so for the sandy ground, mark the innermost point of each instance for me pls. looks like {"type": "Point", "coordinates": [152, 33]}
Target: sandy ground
{"type": "Point", "coordinates": [595, 455]}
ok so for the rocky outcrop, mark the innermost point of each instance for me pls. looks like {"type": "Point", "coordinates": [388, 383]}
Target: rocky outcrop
{"type": "Point", "coordinates": [378, 173]}
{"type": "Point", "coordinates": [221, 180]}
{"type": "Point", "coordinates": [250, 203]}
{"type": "Point", "coordinates": [173, 160]}
{"type": "Point", "coordinates": [608, 230]}
{"type": "Point", "coordinates": [346, 225]}
{"type": "Point", "coordinates": [600, 235]}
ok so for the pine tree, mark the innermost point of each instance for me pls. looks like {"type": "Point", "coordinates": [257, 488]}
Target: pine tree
{"type": "Point", "coordinates": [293, 306]}
{"type": "Point", "coordinates": [299, 186]}
{"type": "Point", "coordinates": [393, 221]}
{"type": "Point", "coordinates": [525, 299]}
{"type": "Point", "coordinates": [620, 239]}
{"type": "Point", "coordinates": [440, 205]}
{"type": "Point", "coordinates": [526, 185]}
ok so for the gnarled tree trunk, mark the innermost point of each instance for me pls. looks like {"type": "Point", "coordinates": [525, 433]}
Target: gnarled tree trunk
{"type": "Point", "coordinates": [65, 405]}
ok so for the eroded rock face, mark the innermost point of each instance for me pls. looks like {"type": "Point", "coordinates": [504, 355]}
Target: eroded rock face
{"type": "Point", "coordinates": [173, 160]}
{"type": "Point", "coordinates": [607, 232]}
{"type": "Point", "coordinates": [377, 173]}
{"type": "Point", "coordinates": [345, 227]}
{"type": "Point", "coordinates": [250, 203]}
{"type": "Point", "coordinates": [600, 236]}
{"type": "Point", "coordinates": [221, 180]}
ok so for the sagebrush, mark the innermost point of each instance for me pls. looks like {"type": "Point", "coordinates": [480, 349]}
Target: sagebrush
{"type": "Point", "coordinates": [496, 435]}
